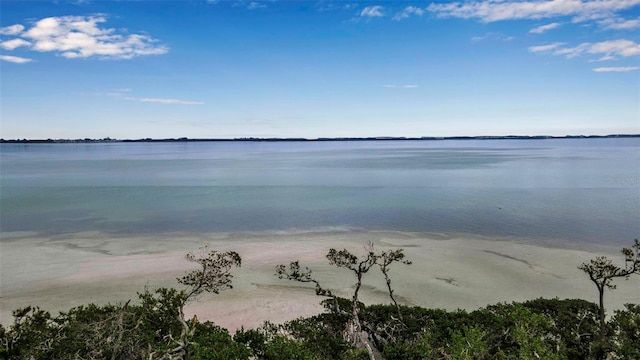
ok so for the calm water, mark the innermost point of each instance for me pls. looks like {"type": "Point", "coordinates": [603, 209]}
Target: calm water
{"type": "Point", "coordinates": [579, 190]}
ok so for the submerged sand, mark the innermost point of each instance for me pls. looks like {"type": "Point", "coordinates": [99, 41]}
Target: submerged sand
{"type": "Point", "coordinates": [449, 271]}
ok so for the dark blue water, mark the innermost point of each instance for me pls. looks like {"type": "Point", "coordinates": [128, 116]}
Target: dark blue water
{"type": "Point", "coordinates": [579, 190]}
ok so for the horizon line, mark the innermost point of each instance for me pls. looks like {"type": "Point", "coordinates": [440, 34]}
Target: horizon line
{"type": "Point", "coordinates": [369, 138]}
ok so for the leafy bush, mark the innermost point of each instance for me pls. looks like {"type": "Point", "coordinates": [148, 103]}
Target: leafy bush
{"type": "Point", "coordinates": [626, 328]}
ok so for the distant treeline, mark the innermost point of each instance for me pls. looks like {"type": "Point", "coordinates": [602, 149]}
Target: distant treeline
{"type": "Point", "coordinates": [378, 138]}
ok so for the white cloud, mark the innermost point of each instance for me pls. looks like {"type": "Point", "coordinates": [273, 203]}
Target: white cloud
{"type": "Point", "coordinates": [543, 48]}
{"type": "Point", "coordinates": [408, 11]}
{"type": "Point", "coordinates": [372, 11]}
{"type": "Point", "coordinates": [256, 5]}
{"type": "Point", "coordinates": [393, 86]}
{"type": "Point", "coordinates": [14, 43]}
{"type": "Point", "coordinates": [574, 51]}
{"type": "Point", "coordinates": [616, 47]}
{"type": "Point", "coordinates": [616, 69]}
{"type": "Point", "coordinates": [11, 30]}
{"type": "Point", "coordinates": [619, 24]}
{"type": "Point", "coordinates": [611, 49]}
{"type": "Point", "coordinates": [497, 10]}
{"type": "Point", "coordinates": [542, 28]}
{"type": "Point", "coordinates": [123, 94]}
{"type": "Point", "coordinates": [167, 101]}
{"type": "Point", "coordinates": [493, 36]}
{"type": "Point", "coordinates": [14, 59]}
{"type": "Point", "coordinates": [82, 37]}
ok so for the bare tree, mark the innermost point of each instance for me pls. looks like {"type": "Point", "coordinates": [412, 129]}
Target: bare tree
{"type": "Point", "coordinates": [384, 260]}
{"type": "Point", "coordinates": [602, 272]}
{"type": "Point", "coordinates": [356, 331]}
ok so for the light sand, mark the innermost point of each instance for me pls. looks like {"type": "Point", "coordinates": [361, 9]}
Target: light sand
{"type": "Point", "coordinates": [448, 271]}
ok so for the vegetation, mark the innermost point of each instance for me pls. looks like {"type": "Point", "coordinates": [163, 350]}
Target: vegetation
{"type": "Point", "coordinates": [154, 326]}
{"type": "Point", "coordinates": [602, 272]}
{"type": "Point", "coordinates": [358, 332]}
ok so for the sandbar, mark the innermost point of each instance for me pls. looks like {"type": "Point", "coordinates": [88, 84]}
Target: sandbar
{"type": "Point", "coordinates": [448, 271]}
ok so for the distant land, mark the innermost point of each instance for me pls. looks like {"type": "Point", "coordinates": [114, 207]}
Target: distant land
{"type": "Point", "coordinates": [378, 138]}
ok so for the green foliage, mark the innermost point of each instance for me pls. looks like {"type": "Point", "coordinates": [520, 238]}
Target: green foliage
{"type": "Point", "coordinates": [212, 342]}
{"type": "Point", "coordinates": [626, 327]}
{"type": "Point", "coordinates": [536, 329]}
{"type": "Point", "coordinates": [270, 342]}
{"type": "Point", "coordinates": [574, 321]}
{"type": "Point", "coordinates": [254, 339]}
{"type": "Point", "coordinates": [100, 332]}
{"type": "Point", "coordinates": [317, 334]}
{"type": "Point", "coordinates": [32, 334]}
{"type": "Point", "coordinates": [469, 344]}
{"type": "Point", "coordinates": [159, 314]}
{"type": "Point", "coordinates": [524, 335]}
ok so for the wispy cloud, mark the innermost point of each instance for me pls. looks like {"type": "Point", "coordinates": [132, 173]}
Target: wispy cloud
{"type": "Point", "coordinates": [166, 101]}
{"type": "Point", "coordinates": [609, 50]}
{"type": "Point", "coordinates": [393, 86]}
{"type": "Point", "coordinates": [372, 11]}
{"type": "Point", "coordinates": [493, 36]}
{"type": "Point", "coordinates": [81, 37]}
{"type": "Point", "coordinates": [11, 30]}
{"type": "Point", "coordinates": [496, 10]}
{"type": "Point", "coordinates": [619, 24]}
{"type": "Point", "coordinates": [407, 12]}
{"type": "Point", "coordinates": [542, 28]}
{"type": "Point", "coordinates": [125, 94]}
{"type": "Point", "coordinates": [350, 6]}
{"type": "Point", "coordinates": [605, 14]}
{"type": "Point", "coordinates": [256, 5]}
{"type": "Point", "coordinates": [323, 6]}
{"type": "Point", "coordinates": [544, 48]}
{"type": "Point", "coordinates": [616, 69]}
{"type": "Point", "coordinates": [15, 59]}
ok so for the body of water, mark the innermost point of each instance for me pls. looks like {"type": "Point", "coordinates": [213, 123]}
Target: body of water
{"type": "Point", "coordinates": [578, 190]}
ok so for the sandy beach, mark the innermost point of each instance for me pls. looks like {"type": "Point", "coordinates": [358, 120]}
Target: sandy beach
{"type": "Point", "coordinates": [449, 271]}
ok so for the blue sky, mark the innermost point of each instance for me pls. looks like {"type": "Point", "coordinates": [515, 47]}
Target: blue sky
{"type": "Point", "coordinates": [227, 69]}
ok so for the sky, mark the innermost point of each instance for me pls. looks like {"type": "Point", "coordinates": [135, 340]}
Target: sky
{"type": "Point", "coordinates": [318, 68]}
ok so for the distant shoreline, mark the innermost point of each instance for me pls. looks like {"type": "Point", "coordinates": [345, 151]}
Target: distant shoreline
{"type": "Point", "coordinates": [378, 138]}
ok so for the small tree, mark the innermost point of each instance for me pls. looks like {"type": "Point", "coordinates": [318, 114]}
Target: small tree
{"type": "Point", "coordinates": [213, 275]}
{"type": "Point", "coordinates": [356, 331]}
{"type": "Point", "coordinates": [384, 260]}
{"type": "Point", "coordinates": [602, 271]}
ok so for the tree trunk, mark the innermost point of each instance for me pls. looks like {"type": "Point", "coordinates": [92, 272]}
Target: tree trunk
{"type": "Point", "coordinates": [601, 315]}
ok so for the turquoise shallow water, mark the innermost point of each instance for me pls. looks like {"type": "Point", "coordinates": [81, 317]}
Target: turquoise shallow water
{"type": "Point", "coordinates": [579, 190]}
